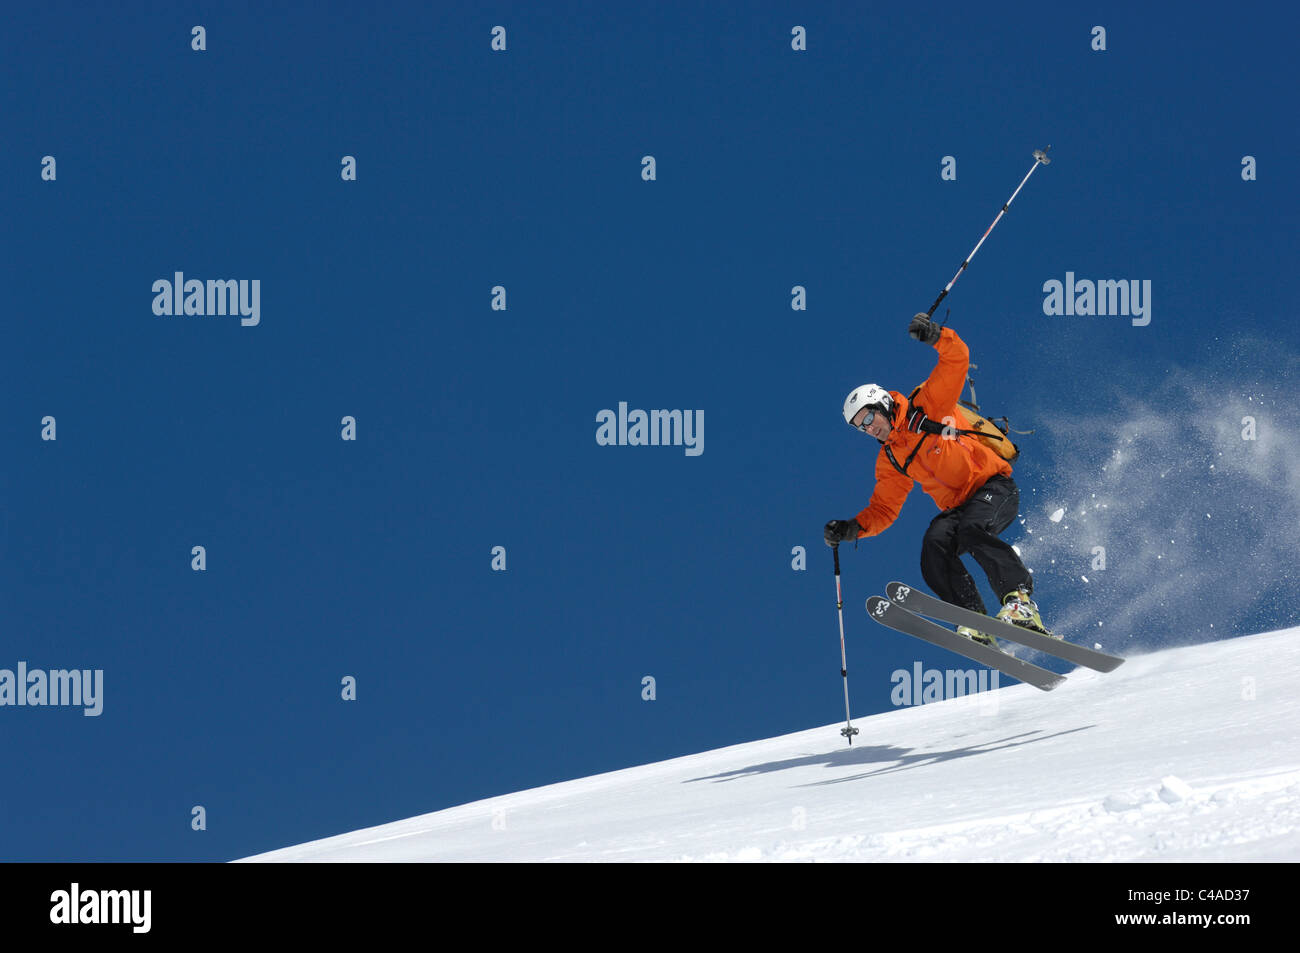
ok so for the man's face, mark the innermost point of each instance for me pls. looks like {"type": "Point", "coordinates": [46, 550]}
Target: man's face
{"type": "Point", "coordinates": [879, 426]}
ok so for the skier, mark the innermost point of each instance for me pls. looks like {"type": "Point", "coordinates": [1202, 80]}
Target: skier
{"type": "Point", "coordinates": [970, 482]}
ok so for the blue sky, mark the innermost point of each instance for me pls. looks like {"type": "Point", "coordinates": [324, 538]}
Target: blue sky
{"type": "Point", "coordinates": [476, 428]}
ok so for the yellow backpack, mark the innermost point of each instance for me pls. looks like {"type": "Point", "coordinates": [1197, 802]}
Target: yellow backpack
{"type": "Point", "coordinates": [987, 432]}
{"type": "Point", "coordinates": [994, 435]}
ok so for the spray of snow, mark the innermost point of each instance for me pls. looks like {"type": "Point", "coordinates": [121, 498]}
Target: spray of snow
{"type": "Point", "coordinates": [1183, 503]}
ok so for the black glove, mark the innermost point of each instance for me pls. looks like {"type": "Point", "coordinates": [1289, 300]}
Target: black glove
{"type": "Point", "coordinates": [842, 531]}
{"type": "Point", "coordinates": [923, 329]}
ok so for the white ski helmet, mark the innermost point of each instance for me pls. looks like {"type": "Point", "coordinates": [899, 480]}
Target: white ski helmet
{"type": "Point", "coordinates": [868, 395]}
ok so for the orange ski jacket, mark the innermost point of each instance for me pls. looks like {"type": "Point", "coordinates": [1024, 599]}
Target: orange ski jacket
{"type": "Point", "coordinates": [949, 470]}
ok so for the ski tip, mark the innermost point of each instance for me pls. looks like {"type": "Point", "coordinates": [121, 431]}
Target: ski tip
{"type": "Point", "coordinates": [877, 606]}
{"type": "Point", "coordinates": [1100, 661]}
{"type": "Point", "coordinates": [899, 591]}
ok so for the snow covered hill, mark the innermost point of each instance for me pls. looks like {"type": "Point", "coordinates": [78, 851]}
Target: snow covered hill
{"type": "Point", "coordinates": [1185, 754]}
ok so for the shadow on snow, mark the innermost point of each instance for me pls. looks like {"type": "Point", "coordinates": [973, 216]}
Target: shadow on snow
{"type": "Point", "coordinates": [892, 758]}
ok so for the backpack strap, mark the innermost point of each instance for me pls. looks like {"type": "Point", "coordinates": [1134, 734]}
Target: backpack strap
{"type": "Point", "coordinates": [889, 453]}
{"type": "Point", "coordinates": [908, 462]}
{"type": "Point", "coordinates": [925, 425]}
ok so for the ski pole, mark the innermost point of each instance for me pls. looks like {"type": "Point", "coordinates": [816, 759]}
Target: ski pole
{"type": "Point", "coordinates": [1040, 158]}
{"type": "Point", "coordinates": [848, 731]}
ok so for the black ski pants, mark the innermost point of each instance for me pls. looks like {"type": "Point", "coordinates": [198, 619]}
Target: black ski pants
{"type": "Point", "coordinates": [973, 527]}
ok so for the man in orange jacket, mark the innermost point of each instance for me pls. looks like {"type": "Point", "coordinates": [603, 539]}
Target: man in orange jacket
{"type": "Point", "coordinates": [970, 483]}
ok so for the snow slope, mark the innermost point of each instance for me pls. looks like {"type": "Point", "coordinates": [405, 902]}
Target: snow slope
{"type": "Point", "coordinates": [1185, 754]}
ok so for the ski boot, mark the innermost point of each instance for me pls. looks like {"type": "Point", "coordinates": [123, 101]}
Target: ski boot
{"type": "Point", "coordinates": [967, 632]}
{"type": "Point", "coordinates": [1019, 609]}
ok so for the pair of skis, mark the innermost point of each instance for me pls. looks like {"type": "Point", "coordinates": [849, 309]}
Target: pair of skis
{"type": "Point", "coordinates": [906, 611]}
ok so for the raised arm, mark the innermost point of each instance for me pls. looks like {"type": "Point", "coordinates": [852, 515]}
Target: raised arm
{"type": "Point", "coordinates": [942, 389]}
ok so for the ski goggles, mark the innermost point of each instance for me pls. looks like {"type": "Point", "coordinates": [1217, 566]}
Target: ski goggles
{"type": "Point", "coordinates": [866, 421]}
